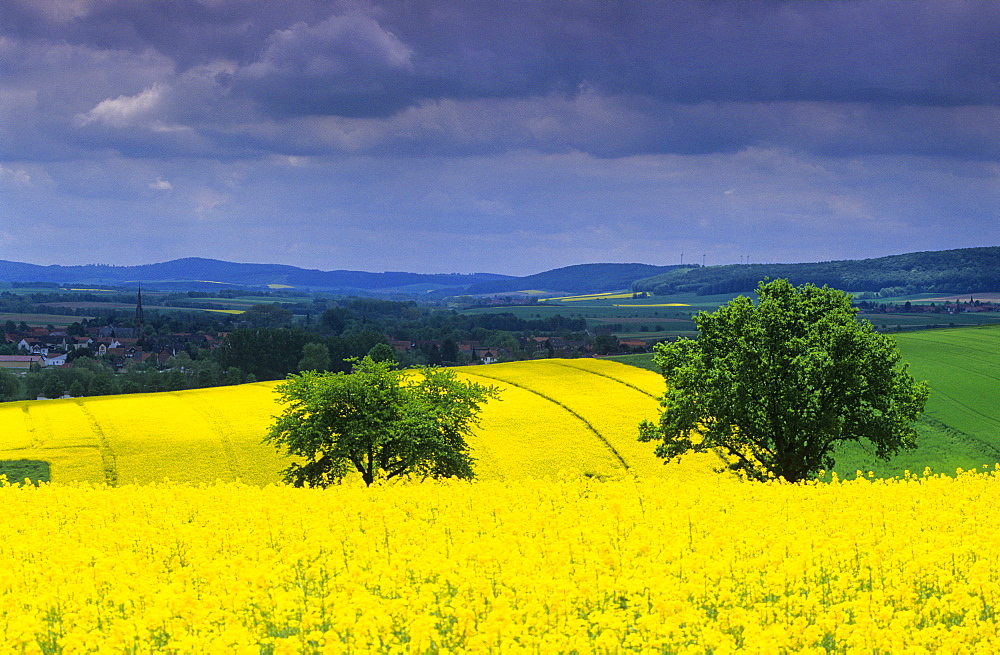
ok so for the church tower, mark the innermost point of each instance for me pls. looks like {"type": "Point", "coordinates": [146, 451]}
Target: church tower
{"type": "Point", "coordinates": [139, 331]}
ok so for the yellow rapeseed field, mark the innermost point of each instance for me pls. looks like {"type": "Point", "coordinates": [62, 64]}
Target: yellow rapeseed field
{"type": "Point", "coordinates": [574, 539]}
{"type": "Point", "coordinates": [188, 436]}
{"type": "Point", "coordinates": [606, 398]}
{"type": "Point", "coordinates": [613, 295]}
{"type": "Point", "coordinates": [573, 415]}
{"type": "Point", "coordinates": [657, 565]}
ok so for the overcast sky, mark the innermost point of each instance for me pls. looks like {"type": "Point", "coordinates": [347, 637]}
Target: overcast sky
{"type": "Point", "coordinates": [496, 136]}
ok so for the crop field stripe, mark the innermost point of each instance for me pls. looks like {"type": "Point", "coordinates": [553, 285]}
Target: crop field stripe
{"type": "Point", "coordinates": [614, 410]}
{"type": "Point", "coordinates": [556, 402]}
{"type": "Point", "coordinates": [987, 449]}
{"type": "Point", "coordinates": [239, 416]}
{"type": "Point", "coordinates": [217, 428]}
{"type": "Point", "coordinates": [108, 459]}
{"type": "Point", "coordinates": [958, 342]}
{"type": "Point", "coordinates": [29, 427]}
{"type": "Point", "coordinates": [175, 442]}
{"type": "Point", "coordinates": [609, 377]}
{"type": "Point", "coordinates": [953, 361]}
{"type": "Point", "coordinates": [972, 410]}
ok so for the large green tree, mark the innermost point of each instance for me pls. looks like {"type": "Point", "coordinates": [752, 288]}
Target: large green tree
{"type": "Point", "coordinates": [376, 420]}
{"type": "Point", "coordinates": [773, 386]}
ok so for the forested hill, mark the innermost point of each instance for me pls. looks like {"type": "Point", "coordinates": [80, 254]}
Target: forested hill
{"type": "Point", "coordinates": [581, 278]}
{"type": "Point", "coordinates": [967, 270]}
{"type": "Point", "coordinates": [195, 272]}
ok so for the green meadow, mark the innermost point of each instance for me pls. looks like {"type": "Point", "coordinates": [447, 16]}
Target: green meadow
{"type": "Point", "coordinates": [960, 427]}
{"type": "Point", "coordinates": [653, 318]}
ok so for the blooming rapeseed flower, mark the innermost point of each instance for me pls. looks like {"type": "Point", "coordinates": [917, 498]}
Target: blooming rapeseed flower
{"type": "Point", "coordinates": [677, 565]}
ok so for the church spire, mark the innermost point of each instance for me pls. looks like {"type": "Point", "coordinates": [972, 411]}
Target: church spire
{"type": "Point", "coordinates": [139, 327]}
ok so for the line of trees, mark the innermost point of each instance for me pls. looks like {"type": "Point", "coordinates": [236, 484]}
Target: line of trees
{"type": "Point", "coordinates": [92, 376]}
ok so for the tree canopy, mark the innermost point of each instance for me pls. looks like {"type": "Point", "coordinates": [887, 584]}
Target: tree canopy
{"type": "Point", "coordinates": [378, 421]}
{"type": "Point", "coordinates": [774, 386]}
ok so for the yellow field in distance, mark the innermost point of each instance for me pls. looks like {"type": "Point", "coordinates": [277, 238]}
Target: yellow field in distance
{"type": "Point", "coordinates": [554, 417]}
{"type": "Point", "coordinates": [591, 296]}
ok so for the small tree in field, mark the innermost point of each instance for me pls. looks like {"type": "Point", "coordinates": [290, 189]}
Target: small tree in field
{"type": "Point", "coordinates": [774, 386]}
{"type": "Point", "coordinates": [379, 421]}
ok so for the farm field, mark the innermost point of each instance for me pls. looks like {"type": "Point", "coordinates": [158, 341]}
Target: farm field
{"type": "Point", "coordinates": [207, 434]}
{"type": "Point", "coordinates": [651, 318]}
{"type": "Point", "coordinates": [553, 416]}
{"type": "Point", "coordinates": [554, 549]}
{"type": "Point", "coordinates": [918, 321]}
{"type": "Point", "coordinates": [960, 427]}
{"type": "Point", "coordinates": [668, 317]}
{"type": "Point", "coordinates": [58, 320]}
{"type": "Point", "coordinates": [152, 299]}
{"type": "Point", "coordinates": [695, 565]}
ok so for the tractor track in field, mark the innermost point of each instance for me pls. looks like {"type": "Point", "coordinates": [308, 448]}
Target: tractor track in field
{"type": "Point", "coordinates": [956, 345]}
{"type": "Point", "coordinates": [964, 436]}
{"type": "Point", "coordinates": [956, 401]}
{"type": "Point", "coordinates": [198, 405]}
{"type": "Point", "coordinates": [29, 427]}
{"type": "Point", "coordinates": [587, 423]}
{"type": "Point", "coordinates": [605, 375]}
{"type": "Point", "coordinates": [109, 463]}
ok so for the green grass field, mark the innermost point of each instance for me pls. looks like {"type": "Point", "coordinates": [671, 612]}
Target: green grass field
{"type": "Point", "coordinates": [649, 319]}
{"type": "Point", "coordinates": [960, 427]}
{"type": "Point", "coordinates": [916, 321]}
{"type": "Point", "coordinates": [58, 320]}
{"type": "Point", "coordinates": [640, 318]}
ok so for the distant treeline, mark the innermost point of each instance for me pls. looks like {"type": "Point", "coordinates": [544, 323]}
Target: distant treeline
{"type": "Point", "coordinates": [968, 270]}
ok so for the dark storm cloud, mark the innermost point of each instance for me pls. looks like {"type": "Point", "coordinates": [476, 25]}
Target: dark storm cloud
{"type": "Point", "coordinates": [475, 127]}
{"type": "Point", "coordinates": [357, 59]}
{"type": "Point", "coordinates": [460, 76]}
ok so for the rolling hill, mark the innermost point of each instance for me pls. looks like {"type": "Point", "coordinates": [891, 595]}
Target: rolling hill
{"type": "Point", "coordinates": [571, 415]}
{"type": "Point", "coordinates": [197, 273]}
{"type": "Point", "coordinates": [965, 270]}
{"type": "Point", "coordinates": [947, 271]}
{"type": "Point", "coordinates": [554, 416]}
{"type": "Point", "coordinates": [581, 278]}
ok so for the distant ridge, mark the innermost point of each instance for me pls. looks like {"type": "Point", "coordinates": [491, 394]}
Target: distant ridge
{"type": "Point", "coordinates": [196, 272]}
{"type": "Point", "coordinates": [580, 278]}
{"type": "Point", "coordinates": [963, 270]}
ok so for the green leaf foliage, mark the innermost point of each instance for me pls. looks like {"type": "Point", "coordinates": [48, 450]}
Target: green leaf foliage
{"type": "Point", "coordinates": [378, 421]}
{"type": "Point", "coordinates": [773, 386]}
